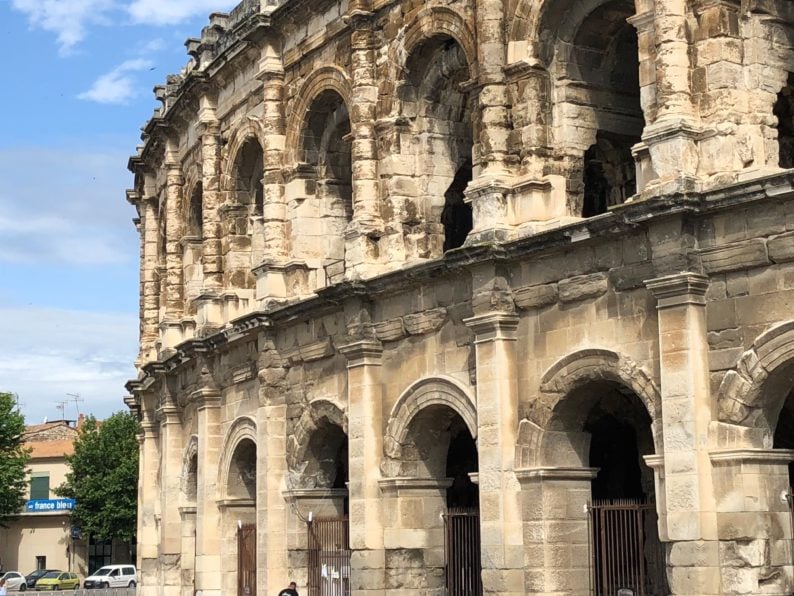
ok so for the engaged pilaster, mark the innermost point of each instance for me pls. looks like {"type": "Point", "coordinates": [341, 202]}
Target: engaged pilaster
{"type": "Point", "coordinates": [497, 427]}
{"type": "Point", "coordinates": [149, 506]}
{"type": "Point", "coordinates": [365, 431]}
{"type": "Point", "coordinates": [687, 414]}
{"type": "Point", "coordinates": [208, 539]}
{"type": "Point", "coordinates": [366, 227]}
{"type": "Point", "coordinates": [170, 494]}
{"type": "Point", "coordinates": [171, 326]}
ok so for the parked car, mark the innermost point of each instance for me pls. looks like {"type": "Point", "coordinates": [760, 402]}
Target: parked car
{"type": "Point", "coordinates": [58, 580]}
{"type": "Point", "coordinates": [14, 581]}
{"type": "Point", "coordinates": [112, 576]}
{"type": "Point", "coordinates": [34, 576]}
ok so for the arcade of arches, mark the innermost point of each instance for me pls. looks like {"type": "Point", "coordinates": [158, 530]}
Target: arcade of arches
{"type": "Point", "coordinates": [460, 297]}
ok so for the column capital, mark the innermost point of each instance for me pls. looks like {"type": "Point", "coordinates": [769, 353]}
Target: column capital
{"type": "Point", "coordinates": [493, 326]}
{"type": "Point", "coordinates": [555, 473]}
{"type": "Point", "coordinates": [150, 428]}
{"type": "Point", "coordinates": [679, 289]}
{"type": "Point", "coordinates": [206, 398]}
{"type": "Point", "coordinates": [362, 352]}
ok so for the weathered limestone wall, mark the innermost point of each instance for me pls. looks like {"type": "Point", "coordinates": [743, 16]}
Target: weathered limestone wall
{"type": "Point", "coordinates": [374, 231]}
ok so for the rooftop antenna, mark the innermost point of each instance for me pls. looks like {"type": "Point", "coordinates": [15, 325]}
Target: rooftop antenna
{"type": "Point", "coordinates": [76, 399]}
{"type": "Point", "coordinates": [61, 405]}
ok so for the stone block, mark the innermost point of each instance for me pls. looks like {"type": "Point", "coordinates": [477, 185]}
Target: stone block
{"type": "Point", "coordinates": [734, 257]}
{"type": "Point", "coordinates": [535, 296]}
{"type": "Point", "coordinates": [781, 248]}
{"type": "Point", "coordinates": [582, 287]}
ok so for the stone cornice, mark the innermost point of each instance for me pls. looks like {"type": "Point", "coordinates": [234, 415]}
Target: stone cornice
{"type": "Point", "coordinates": [679, 289]}
{"type": "Point", "coordinates": [765, 456]}
{"type": "Point", "coordinates": [315, 493]}
{"type": "Point", "coordinates": [392, 485]}
{"type": "Point", "coordinates": [618, 222]}
{"type": "Point", "coordinates": [555, 473]}
{"type": "Point", "coordinates": [493, 326]}
{"type": "Point", "coordinates": [362, 352]}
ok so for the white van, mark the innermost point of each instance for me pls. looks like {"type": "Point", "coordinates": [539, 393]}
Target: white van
{"type": "Point", "coordinates": [112, 576]}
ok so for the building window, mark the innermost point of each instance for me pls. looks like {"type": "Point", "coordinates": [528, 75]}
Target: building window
{"type": "Point", "coordinates": [99, 553]}
{"type": "Point", "coordinates": [39, 485]}
{"type": "Point", "coordinates": [41, 562]}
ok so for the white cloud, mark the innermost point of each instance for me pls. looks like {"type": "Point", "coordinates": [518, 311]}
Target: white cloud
{"type": "Point", "coordinates": [158, 12]}
{"type": "Point", "coordinates": [68, 19]}
{"type": "Point", "coordinates": [75, 214]}
{"type": "Point", "coordinates": [117, 86]}
{"type": "Point", "coordinates": [47, 353]}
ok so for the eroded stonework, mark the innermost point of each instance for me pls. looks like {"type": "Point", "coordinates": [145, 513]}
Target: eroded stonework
{"type": "Point", "coordinates": [504, 263]}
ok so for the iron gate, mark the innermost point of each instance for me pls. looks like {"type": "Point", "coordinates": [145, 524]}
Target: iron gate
{"type": "Point", "coordinates": [246, 560]}
{"type": "Point", "coordinates": [329, 557]}
{"type": "Point", "coordinates": [627, 556]}
{"type": "Point", "coordinates": [462, 564]}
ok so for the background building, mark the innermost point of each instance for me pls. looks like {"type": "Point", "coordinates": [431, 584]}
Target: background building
{"type": "Point", "coordinates": [470, 296]}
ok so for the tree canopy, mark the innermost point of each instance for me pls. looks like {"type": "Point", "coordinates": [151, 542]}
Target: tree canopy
{"type": "Point", "coordinates": [103, 479]}
{"type": "Point", "coordinates": [13, 457]}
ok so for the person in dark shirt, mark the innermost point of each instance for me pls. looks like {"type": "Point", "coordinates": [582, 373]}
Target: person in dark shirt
{"type": "Point", "coordinates": [291, 591]}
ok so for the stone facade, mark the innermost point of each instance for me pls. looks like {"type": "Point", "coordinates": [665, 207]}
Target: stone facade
{"type": "Point", "coordinates": [518, 256]}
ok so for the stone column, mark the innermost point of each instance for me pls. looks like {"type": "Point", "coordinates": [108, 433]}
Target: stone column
{"type": "Point", "coordinates": [150, 298]}
{"type": "Point", "coordinates": [210, 197]}
{"type": "Point", "coordinates": [149, 506]}
{"type": "Point", "coordinates": [174, 230]}
{"type": "Point", "coordinates": [365, 445]}
{"type": "Point", "coordinates": [367, 225]}
{"type": "Point", "coordinates": [208, 539]}
{"type": "Point", "coordinates": [671, 136]}
{"type": "Point", "coordinates": [494, 103]}
{"type": "Point", "coordinates": [687, 411]}
{"type": "Point", "coordinates": [271, 469]}
{"type": "Point", "coordinates": [188, 556]}
{"type": "Point", "coordinates": [170, 496]}
{"type": "Point", "coordinates": [555, 527]}
{"type": "Point", "coordinates": [497, 428]}
{"type": "Point", "coordinates": [269, 274]}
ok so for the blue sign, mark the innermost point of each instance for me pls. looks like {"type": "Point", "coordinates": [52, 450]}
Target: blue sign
{"type": "Point", "coordinates": [49, 505]}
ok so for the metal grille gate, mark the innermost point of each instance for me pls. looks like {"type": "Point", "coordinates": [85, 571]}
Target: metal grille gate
{"type": "Point", "coordinates": [627, 556]}
{"type": "Point", "coordinates": [329, 557]}
{"type": "Point", "coordinates": [462, 563]}
{"type": "Point", "coordinates": [246, 560]}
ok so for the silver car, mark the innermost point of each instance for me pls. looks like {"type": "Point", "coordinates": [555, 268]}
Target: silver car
{"type": "Point", "coordinates": [15, 581]}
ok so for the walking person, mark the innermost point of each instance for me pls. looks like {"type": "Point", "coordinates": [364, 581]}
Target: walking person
{"type": "Point", "coordinates": [3, 590]}
{"type": "Point", "coordinates": [291, 591]}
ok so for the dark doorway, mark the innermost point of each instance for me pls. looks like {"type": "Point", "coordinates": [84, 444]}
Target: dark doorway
{"type": "Point", "coordinates": [784, 110]}
{"type": "Point", "coordinates": [456, 216]}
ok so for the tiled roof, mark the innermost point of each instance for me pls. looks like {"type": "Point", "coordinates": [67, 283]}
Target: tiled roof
{"type": "Point", "coordinates": [48, 449]}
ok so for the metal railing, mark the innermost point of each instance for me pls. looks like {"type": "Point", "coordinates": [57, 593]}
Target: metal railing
{"type": "Point", "coordinates": [463, 567]}
{"type": "Point", "coordinates": [329, 557]}
{"type": "Point", "coordinates": [627, 556]}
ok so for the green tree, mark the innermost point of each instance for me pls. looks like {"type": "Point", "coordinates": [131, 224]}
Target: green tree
{"type": "Point", "coordinates": [103, 479]}
{"type": "Point", "coordinates": [13, 457]}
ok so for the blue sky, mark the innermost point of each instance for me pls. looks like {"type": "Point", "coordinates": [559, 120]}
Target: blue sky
{"type": "Point", "coordinates": [77, 89]}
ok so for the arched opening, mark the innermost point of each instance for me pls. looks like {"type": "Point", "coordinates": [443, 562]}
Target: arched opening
{"type": "Point", "coordinates": [238, 551]}
{"type": "Point", "coordinates": [784, 111]}
{"type": "Point", "coordinates": [434, 97]}
{"type": "Point", "coordinates": [195, 218]}
{"type": "Point", "coordinates": [598, 114]}
{"type": "Point", "coordinates": [322, 207]}
{"type": "Point", "coordinates": [784, 432]}
{"type": "Point", "coordinates": [439, 448]}
{"type": "Point", "coordinates": [322, 502]}
{"type": "Point", "coordinates": [241, 481]}
{"type": "Point", "coordinates": [192, 249]}
{"type": "Point", "coordinates": [624, 542]}
{"type": "Point", "coordinates": [248, 171]}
